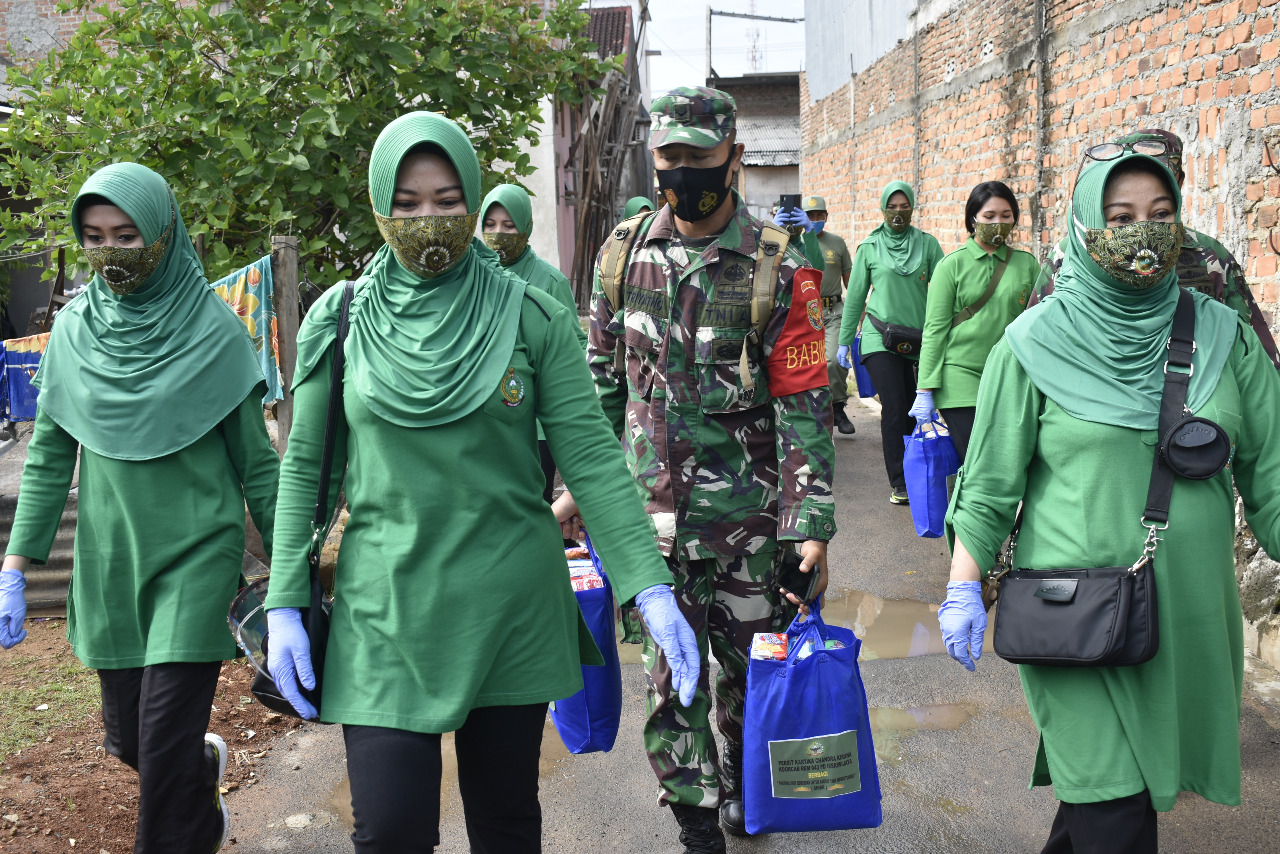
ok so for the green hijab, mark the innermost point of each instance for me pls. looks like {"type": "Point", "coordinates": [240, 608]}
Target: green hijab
{"type": "Point", "coordinates": [634, 204]}
{"type": "Point", "coordinates": [1097, 347]}
{"type": "Point", "coordinates": [421, 352]}
{"type": "Point", "coordinates": [517, 203]}
{"type": "Point", "coordinates": [144, 375]}
{"type": "Point", "coordinates": [902, 252]}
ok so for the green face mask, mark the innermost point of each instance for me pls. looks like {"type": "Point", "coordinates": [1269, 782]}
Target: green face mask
{"type": "Point", "coordinates": [1139, 254]}
{"type": "Point", "coordinates": [125, 269]}
{"type": "Point", "coordinates": [898, 220]}
{"type": "Point", "coordinates": [992, 233]}
{"type": "Point", "coordinates": [428, 245]}
{"type": "Point", "coordinates": [508, 246]}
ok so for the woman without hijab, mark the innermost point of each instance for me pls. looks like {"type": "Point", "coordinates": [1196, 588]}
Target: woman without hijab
{"type": "Point", "coordinates": [154, 380]}
{"type": "Point", "coordinates": [1067, 419]}
{"type": "Point", "coordinates": [452, 611]}
{"type": "Point", "coordinates": [891, 272]}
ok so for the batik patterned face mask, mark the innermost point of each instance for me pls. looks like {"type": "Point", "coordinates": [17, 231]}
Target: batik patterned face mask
{"type": "Point", "coordinates": [992, 233]}
{"type": "Point", "coordinates": [1138, 254]}
{"type": "Point", "coordinates": [898, 220]}
{"type": "Point", "coordinates": [428, 245]}
{"type": "Point", "coordinates": [126, 268]}
{"type": "Point", "coordinates": [508, 246]}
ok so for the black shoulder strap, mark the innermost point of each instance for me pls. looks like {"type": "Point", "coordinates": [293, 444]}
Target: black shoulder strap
{"type": "Point", "coordinates": [1181, 345]}
{"type": "Point", "coordinates": [320, 520]}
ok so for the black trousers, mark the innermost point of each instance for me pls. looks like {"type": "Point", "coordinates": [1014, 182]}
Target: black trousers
{"type": "Point", "coordinates": [1123, 826]}
{"type": "Point", "coordinates": [395, 783]}
{"type": "Point", "coordinates": [156, 718]}
{"type": "Point", "coordinates": [960, 423]}
{"type": "Point", "coordinates": [894, 377]}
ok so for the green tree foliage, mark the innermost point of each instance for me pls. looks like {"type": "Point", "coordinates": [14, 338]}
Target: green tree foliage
{"type": "Point", "coordinates": [262, 113]}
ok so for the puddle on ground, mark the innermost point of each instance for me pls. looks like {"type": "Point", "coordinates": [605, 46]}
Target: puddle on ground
{"type": "Point", "coordinates": [890, 726]}
{"type": "Point", "coordinates": [889, 628]}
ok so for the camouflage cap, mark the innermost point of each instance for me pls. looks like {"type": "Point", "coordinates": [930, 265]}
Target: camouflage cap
{"type": "Point", "coordinates": [691, 115]}
{"type": "Point", "coordinates": [1173, 151]}
{"type": "Point", "coordinates": [813, 203]}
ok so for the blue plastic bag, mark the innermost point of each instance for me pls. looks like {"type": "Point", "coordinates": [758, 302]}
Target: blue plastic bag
{"type": "Point", "coordinates": [865, 388]}
{"type": "Point", "coordinates": [930, 458]}
{"type": "Point", "coordinates": [808, 759]}
{"type": "Point", "coordinates": [588, 721]}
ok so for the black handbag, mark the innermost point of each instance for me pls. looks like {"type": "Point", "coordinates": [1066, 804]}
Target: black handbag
{"type": "Point", "coordinates": [1099, 617]}
{"type": "Point", "coordinates": [902, 340]}
{"type": "Point", "coordinates": [315, 617]}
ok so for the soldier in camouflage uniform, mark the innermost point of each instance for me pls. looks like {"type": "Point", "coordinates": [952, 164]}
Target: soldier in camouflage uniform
{"type": "Point", "coordinates": [731, 466]}
{"type": "Point", "coordinates": [1204, 264]}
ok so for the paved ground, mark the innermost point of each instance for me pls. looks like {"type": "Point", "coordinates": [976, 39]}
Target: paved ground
{"type": "Point", "coordinates": [954, 748]}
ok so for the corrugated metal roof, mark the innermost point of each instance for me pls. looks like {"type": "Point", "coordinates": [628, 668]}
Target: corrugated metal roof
{"type": "Point", "coordinates": [770, 141]}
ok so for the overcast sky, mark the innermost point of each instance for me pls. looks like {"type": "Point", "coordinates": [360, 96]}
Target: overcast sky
{"type": "Point", "coordinates": [678, 29]}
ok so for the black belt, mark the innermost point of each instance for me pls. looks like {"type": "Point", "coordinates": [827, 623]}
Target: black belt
{"type": "Point", "coordinates": [827, 302]}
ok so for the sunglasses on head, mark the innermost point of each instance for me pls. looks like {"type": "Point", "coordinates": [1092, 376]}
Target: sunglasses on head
{"type": "Point", "coordinates": [1113, 150]}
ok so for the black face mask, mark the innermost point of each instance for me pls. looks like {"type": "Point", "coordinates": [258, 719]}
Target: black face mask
{"type": "Point", "coordinates": [695, 194]}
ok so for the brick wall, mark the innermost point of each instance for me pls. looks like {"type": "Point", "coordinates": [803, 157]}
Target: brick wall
{"type": "Point", "coordinates": [31, 28]}
{"type": "Point", "coordinates": [976, 95]}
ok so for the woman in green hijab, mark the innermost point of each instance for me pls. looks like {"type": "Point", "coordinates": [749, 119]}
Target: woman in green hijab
{"type": "Point", "coordinates": [153, 380]}
{"type": "Point", "coordinates": [1067, 420]}
{"type": "Point", "coordinates": [636, 205]}
{"type": "Point", "coordinates": [891, 272]}
{"type": "Point", "coordinates": [506, 218]}
{"type": "Point", "coordinates": [452, 609]}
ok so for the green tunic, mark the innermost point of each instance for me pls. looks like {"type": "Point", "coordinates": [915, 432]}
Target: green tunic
{"type": "Point", "coordinates": [452, 590]}
{"type": "Point", "coordinates": [539, 273]}
{"type": "Point", "coordinates": [1171, 724]}
{"type": "Point", "coordinates": [951, 360]}
{"type": "Point", "coordinates": [159, 542]}
{"type": "Point", "coordinates": [893, 299]}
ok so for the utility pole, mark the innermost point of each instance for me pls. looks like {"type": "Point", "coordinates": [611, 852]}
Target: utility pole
{"type": "Point", "coordinates": [749, 16]}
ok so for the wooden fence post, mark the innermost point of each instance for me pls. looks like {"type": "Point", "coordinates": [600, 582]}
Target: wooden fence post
{"type": "Point", "coordinates": [284, 301]}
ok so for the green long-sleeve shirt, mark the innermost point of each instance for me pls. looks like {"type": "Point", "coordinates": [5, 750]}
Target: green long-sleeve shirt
{"type": "Point", "coordinates": [452, 590]}
{"type": "Point", "coordinates": [881, 292]}
{"type": "Point", "coordinates": [951, 359]}
{"type": "Point", "coordinates": [1171, 724]}
{"type": "Point", "coordinates": [159, 543]}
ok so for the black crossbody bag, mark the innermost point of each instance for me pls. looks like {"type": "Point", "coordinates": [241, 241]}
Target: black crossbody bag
{"type": "Point", "coordinates": [902, 340]}
{"type": "Point", "coordinates": [1108, 617]}
{"type": "Point", "coordinates": [315, 617]}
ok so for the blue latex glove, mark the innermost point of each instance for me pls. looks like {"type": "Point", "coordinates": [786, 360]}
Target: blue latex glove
{"type": "Point", "coordinates": [922, 410]}
{"type": "Point", "coordinates": [963, 621]}
{"type": "Point", "coordinates": [782, 219]}
{"type": "Point", "coordinates": [843, 356]}
{"type": "Point", "coordinates": [671, 631]}
{"type": "Point", "coordinates": [800, 218]}
{"type": "Point", "coordinates": [289, 658]}
{"type": "Point", "coordinates": [13, 608]}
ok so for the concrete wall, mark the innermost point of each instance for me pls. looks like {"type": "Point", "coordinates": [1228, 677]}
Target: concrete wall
{"type": "Point", "coordinates": [761, 186]}
{"type": "Point", "coordinates": [1015, 90]}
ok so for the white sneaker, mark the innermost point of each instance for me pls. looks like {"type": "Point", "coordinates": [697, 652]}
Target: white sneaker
{"type": "Point", "coordinates": [220, 754]}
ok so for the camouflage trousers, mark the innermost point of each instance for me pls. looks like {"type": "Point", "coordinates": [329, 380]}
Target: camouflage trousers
{"type": "Point", "coordinates": [726, 601]}
{"type": "Point", "coordinates": [837, 375]}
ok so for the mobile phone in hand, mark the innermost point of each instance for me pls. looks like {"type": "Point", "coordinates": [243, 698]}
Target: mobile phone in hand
{"type": "Point", "coordinates": [797, 583]}
{"type": "Point", "coordinates": [788, 202]}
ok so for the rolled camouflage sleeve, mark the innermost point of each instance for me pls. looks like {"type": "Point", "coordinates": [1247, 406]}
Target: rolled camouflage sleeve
{"type": "Point", "coordinates": [803, 419]}
{"type": "Point", "coordinates": [602, 342]}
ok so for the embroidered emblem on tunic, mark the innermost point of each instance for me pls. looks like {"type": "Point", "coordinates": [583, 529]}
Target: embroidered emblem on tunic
{"type": "Point", "coordinates": [815, 313]}
{"type": "Point", "coordinates": [512, 388]}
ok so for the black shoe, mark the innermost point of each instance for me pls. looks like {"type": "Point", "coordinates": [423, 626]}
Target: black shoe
{"type": "Point", "coordinates": [843, 424]}
{"type": "Point", "coordinates": [899, 496]}
{"type": "Point", "coordinates": [732, 817]}
{"type": "Point", "coordinates": [699, 832]}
